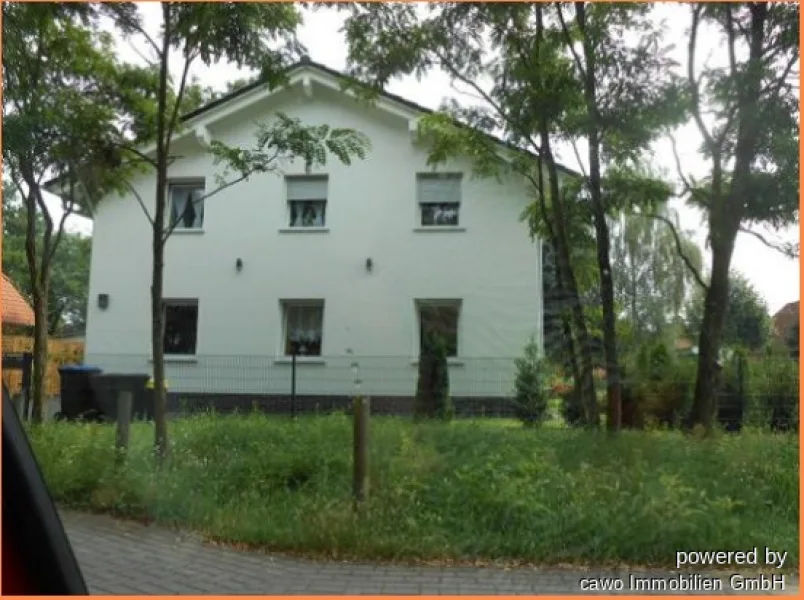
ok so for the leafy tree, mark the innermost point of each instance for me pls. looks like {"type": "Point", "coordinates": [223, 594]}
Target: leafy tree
{"type": "Point", "coordinates": [506, 56]}
{"type": "Point", "coordinates": [259, 36]}
{"type": "Point", "coordinates": [530, 386]}
{"type": "Point", "coordinates": [747, 322]}
{"type": "Point", "coordinates": [652, 283]}
{"type": "Point", "coordinates": [627, 99]}
{"type": "Point", "coordinates": [69, 279]}
{"type": "Point", "coordinates": [65, 99]}
{"type": "Point", "coordinates": [747, 114]}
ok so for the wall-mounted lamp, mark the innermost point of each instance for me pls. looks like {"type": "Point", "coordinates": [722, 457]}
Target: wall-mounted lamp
{"type": "Point", "coordinates": [103, 301]}
{"type": "Point", "coordinates": [239, 264]}
{"type": "Point", "coordinates": [369, 265]}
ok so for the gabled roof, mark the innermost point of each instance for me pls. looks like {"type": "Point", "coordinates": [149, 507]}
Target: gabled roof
{"type": "Point", "coordinates": [259, 89]}
{"type": "Point", "coordinates": [306, 62]}
{"type": "Point", "coordinates": [15, 309]}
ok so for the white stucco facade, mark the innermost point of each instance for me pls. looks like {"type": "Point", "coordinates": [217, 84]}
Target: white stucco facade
{"type": "Point", "coordinates": [489, 263]}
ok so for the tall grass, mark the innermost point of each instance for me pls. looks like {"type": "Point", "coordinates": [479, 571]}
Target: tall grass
{"type": "Point", "coordinates": [470, 489]}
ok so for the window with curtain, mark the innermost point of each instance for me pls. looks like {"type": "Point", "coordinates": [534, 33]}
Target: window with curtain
{"type": "Point", "coordinates": [439, 198]}
{"type": "Point", "coordinates": [304, 322]}
{"type": "Point", "coordinates": [186, 205]}
{"type": "Point", "coordinates": [307, 201]}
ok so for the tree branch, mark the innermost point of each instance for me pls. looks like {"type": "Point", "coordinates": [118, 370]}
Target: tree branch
{"type": "Point", "coordinates": [679, 247]}
{"type": "Point", "coordinates": [188, 59]}
{"type": "Point", "coordinates": [133, 24]}
{"type": "Point", "coordinates": [688, 188]}
{"type": "Point", "coordinates": [788, 249]}
{"type": "Point", "coordinates": [693, 82]}
{"type": "Point", "coordinates": [576, 57]}
{"type": "Point", "coordinates": [148, 159]}
{"type": "Point", "coordinates": [140, 201]}
{"type": "Point", "coordinates": [578, 158]}
{"type": "Point", "coordinates": [228, 184]}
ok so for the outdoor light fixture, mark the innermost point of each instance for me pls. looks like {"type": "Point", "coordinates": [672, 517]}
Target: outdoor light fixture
{"type": "Point", "coordinates": [239, 264]}
{"type": "Point", "coordinates": [103, 301]}
{"type": "Point", "coordinates": [369, 265]}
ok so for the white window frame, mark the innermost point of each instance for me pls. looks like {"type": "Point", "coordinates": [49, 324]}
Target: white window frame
{"type": "Point", "coordinates": [455, 303]}
{"type": "Point", "coordinates": [171, 302]}
{"type": "Point", "coordinates": [421, 203]}
{"type": "Point", "coordinates": [287, 305]}
{"type": "Point", "coordinates": [195, 183]}
{"type": "Point", "coordinates": [289, 180]}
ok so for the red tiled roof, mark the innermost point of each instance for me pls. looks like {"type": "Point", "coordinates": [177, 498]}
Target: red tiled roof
{"type": "Point", "coordinates": [15, 309]}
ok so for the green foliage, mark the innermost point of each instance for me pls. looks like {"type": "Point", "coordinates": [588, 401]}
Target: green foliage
{"type": "Point", "coordinates": [747, 322]}
{"type": "Point", "coordinates": [773, 388]}
{"type": "Point", "coordinates": [464, 491]}
{"type": "Point", "coordinates": [432, 399]}
{"type": "Point", "coordinates": [658, 386]}
{"type": "Point", "coordinates": [530, 386]}
{"type": "Point", "coordinates": [69, 279]}
{"type": "Point", "coordinates": [288, 138]}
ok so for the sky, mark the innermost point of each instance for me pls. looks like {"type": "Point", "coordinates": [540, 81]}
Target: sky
{"type": "Point", "coordinates": [775, 277]}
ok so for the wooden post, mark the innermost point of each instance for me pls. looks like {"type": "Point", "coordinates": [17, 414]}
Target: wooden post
{"type": "Point", "coordinates": [124, 401]}
{"type": "Point", "coordinates": [361, 417]}
{"type": "Point", "coordinates": [293, 383]}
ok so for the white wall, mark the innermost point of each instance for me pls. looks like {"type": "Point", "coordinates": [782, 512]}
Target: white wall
{"type": "Point", "coordinates": [493, 266]}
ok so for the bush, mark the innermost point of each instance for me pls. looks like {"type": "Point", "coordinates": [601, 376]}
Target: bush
{"type": "Point", "coordinates": [774, 394]}
{"type": "Point", "coordinates": [432, 389]}
{"type": "Point", "coordinates": [530, 387]}
{"type": "Point", "coordinates": [658, 387]}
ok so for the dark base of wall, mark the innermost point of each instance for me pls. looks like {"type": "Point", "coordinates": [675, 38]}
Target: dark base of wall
{"type": "Point", "coordinates": [380, 405]}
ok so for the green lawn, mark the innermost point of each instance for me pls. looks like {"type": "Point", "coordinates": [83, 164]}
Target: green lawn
{"type": "Point", "coordinates": [469, 490]}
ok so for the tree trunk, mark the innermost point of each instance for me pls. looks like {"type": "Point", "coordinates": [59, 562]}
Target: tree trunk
{"type": "Point", "coordinates": [38, 274]}
{"type": "Point", "coordinates": [714, 318]}
{"type": "Point", "coordinates": [587, 389]}
{"type": "Point", "coordinates": [157, 348]}
{"type": "Point", "coordinates": [566, 276]}
{"type": "Point", "coordinates": [726, 214]}
{"type": "Point", "coordinates": [613, 392]}
{"type": "Point", "coordinates": [158, 247]}
{"type": "Point", "coordinates": [40, 343]}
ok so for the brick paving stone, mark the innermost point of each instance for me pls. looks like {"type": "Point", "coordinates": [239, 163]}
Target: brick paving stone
{"type": "Point", "coordinates": [119, 557]}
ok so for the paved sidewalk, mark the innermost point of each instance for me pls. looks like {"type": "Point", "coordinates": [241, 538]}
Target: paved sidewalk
{"type": "Point", "coordinates": [120, 557]}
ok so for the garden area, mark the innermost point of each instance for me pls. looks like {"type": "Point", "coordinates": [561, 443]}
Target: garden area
{"type": "Point", "coordinates": [469, 490]}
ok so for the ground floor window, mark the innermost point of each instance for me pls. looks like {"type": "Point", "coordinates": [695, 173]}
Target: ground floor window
{"type": "Point", "coordinates": [181, 326]}
{"type": "Point", "coordinates": [440, 317]}
{"type": "Point", "coordinates": [303, 327]}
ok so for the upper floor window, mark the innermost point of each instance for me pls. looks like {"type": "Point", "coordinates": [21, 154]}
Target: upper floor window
{"type": "Point", "coordinates": [439, 198]}
{"type": "Point", "coordinates": [307, 201]}
{"type": "Point", "coordinates": [186, 205]}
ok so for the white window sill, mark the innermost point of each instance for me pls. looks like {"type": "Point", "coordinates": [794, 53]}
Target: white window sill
{"type": "Point", "coordinates": [300, 360]}
{"type": "Point", "coordinates": [439, 229]}
{"type": "Point", "coordinates": [304, 230]}
{"type": "Point", "coordinates": [452, 362]}
{"type": "Point", "coordinates": [179, 358]}
{"type": "Point", "coordinates": [187, 231]}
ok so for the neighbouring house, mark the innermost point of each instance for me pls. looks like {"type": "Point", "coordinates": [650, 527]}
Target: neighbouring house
{"type": "Point", "coordinates": [16, 312]}
{"type": "Point", "coordinates": [348, 264]}
{"type": "Point", "coordinates": [785, 325]}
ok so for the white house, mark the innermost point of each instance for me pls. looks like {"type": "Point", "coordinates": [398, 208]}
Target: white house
{"type": "Point", "coordinates": [354, 259]}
